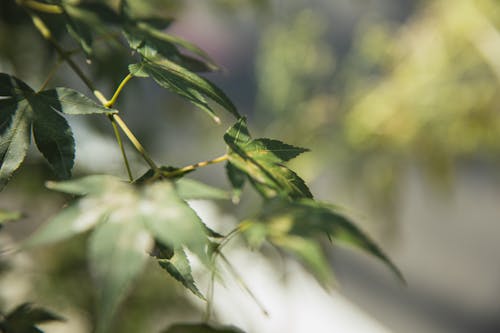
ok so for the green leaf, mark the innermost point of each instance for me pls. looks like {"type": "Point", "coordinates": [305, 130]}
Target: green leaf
{"type": "Point", "coordinates": [147, 36]}
{"type": "Point", "coordinates": [261, 160]}
{"type": "Point", "coordinates": [126, 218]}
{"type": "Point", "coordinates": [117, 252]}
{"type": "Point", "coordinates": [185, 83]}
{"type": "Point", "coordinates": [83, 20]}
{"type": "Point", "coordinates": [171, 220]}
{"type": "Point", "coordinates": [23, 109]}
{"type": "Point", "coordinates": [25, 318]}
{"type": "Point", "coordinates": [69, 101]}
{"type": "Point", "coordinates": [308, 219]}
{"type": "Point", "coordinates": [179, 268]}
{"type": "Point", "coordinates": [73, 220]}
{"type": "Point", "coordinates": [310, 253]}
{"type": "Point", "coordinates": [15, 128]}
{"type": "Point", "coordinates": [201, 328]}
{"type": "Point", "coordinates": [12, 87]}
{"type": "Point", "coordinates": [54, 140]}
{"type": "Point", "coordinates": [189, 189]}
{"type": "Point", "coordinates": [237, 179]}
{"type": "Point", "coordinates": [94, 184]}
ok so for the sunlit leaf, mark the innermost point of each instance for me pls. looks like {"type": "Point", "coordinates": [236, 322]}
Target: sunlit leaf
{"type": "Point", "coordinates": [201, 328]}
{"type": "Point", "coordinates": [25, 318]}
{"type": "Point", "coordinates": [22, 109]}
{"type": "Point", "coordinates": [117, 253]}
{"type": "Point", "coordinates": [261, 160]}
{"type": "Point", "coordinates": [185, 83]}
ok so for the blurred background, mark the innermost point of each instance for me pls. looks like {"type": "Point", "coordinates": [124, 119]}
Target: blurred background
{"type": "Point", "coordinates": [398, 102]}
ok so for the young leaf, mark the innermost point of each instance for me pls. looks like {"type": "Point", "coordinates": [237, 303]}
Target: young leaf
{"type": "Point", "coordinates": [179, 268]}
{"type": "Point", "coordinates": [201, 328]}
{"type": "Point", "coordinates": [23, 109]}
{"type": "Point", "coordinates": [261, 160]}
{"type": "Point", "coordinates": [117, 252]}
{"type": "Point", "coordinates": [25, 318]}
{"type": "Point", "coordinates": [185, 83]}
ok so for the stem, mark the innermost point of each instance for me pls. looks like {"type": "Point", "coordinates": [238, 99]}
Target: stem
{"type": "Point", "coordinates": [242, 283]}
{"type": "Point", "coordinates": [51, 74]}
{"type": "Point", "coordinates": [192, 167]}
{"type": "Point", "coordinates": [210, 297]}
{"type": "Point", "coordinates": [44, 30]}
{"type": "Point", "coordinates": [113, 99]}
{"type": "Point", "coordinates": [122, 148]}
{"type": "Point", "coordinates": [41, 7]}
{"type": "Point", "coordinates": [134, 141]}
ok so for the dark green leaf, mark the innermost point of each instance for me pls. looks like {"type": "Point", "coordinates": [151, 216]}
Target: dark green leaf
{"type": "Point", "coordinates": [201, 328]}
{"type": "Point", "coordinates": [185, 83]}
{"type": "Point", "coordinates": [15, 128]}
{"type": "Point", "coordinates": [22, 109]}
{"type": "Point", "coordinates": [261, 160]}
{"type": "Point", "coordinates": [54, 140]}
{"type": "Point", "coordinates": [179, 268]}
{"type": "Point", "coordinates": [118, 251]}
{"type": "Point", "coordinates": [12, 87]}
{"type": "Point", "coordinates": [237, 179]}
{"type": "Point", "coordinates": [25, 318]}
{"type": "Point", "coordinates": [85, 19]}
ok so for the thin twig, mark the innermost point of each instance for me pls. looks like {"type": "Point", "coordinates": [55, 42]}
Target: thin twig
{"type": "Point", "coordinates": [122, 148]}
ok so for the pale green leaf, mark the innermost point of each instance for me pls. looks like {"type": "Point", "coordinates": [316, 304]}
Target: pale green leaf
{"type": "Point", "coordinates": [77, 218]}
{"type": "Point", "coordinates": [309, 219]}
{"type": "Point", "coordinates": [117, 253]}
{"type": "Point", "coordinates": [189, 189]}
{"type": "Point", "coordinates": [94, 184]}
{"type": "Point", "coordinates": [171, 220]}
{"type": "Point", "coordinates": [309, 252]}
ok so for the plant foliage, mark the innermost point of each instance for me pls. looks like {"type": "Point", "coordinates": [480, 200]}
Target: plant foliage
{"type": "Point", "coordinates": [148, 217]}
